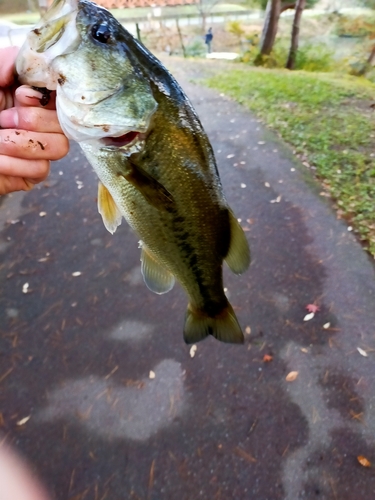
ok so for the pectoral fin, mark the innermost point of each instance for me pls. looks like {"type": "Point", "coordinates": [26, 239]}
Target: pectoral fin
{"type": "Point", "coordinates": [238, 257]}
{"type": "Point", "coordinates": [108, 209]}
{"type": "Point", "coordinates": [157, 279]}
{"type": "Point", "coordinates": [154, 192]}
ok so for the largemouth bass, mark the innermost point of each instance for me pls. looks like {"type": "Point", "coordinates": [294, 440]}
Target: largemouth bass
{"type": "Point", "coordinates": [156, 166]}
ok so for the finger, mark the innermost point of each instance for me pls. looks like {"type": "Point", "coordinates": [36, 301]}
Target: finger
{"type": "Point", "coordinates": [6, 99]}
{"type": "Point", "coordinates": [17, 478]}
{"type": "Point", "coordinates": [32, 170]}
{"type": "Point", "coordinates": [29, 118]}
{"type": "Point", "coordinates": [9, 184]}
{"type": "Point", "coordinates": [27, 96]}
{"type": "Point", "coordinates": [33, 145]}
{"type": "Point", "coordinates": [7, 58]}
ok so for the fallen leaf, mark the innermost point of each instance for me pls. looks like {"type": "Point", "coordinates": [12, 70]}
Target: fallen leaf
{"type": "Point", "coordinates": [193, 350]}
{"type": "Point", "coordinates": [363, 461]}
{"type": "Point", "coordinates": [267, 358]}
{"type": "Point", "coordinates": [243, 454]}
{"type": "Point", "coordinates": [312, 308]}
{"type": "Point", "coordinates": [308, 317]}
{"type": "Point", "coordinates": [362, 352]}
{"type": "Point", "coordinates": [291, 376]}
{"type": "Point", "coordinates": [277, 200]}
{"type": "Point", "coordinates": [152, 374]}
{"type": "Point", "coordinates": [24, 420]}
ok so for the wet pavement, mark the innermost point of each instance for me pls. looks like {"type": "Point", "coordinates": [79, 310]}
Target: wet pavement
{"type": "Point", "coordinates": [98, 389]}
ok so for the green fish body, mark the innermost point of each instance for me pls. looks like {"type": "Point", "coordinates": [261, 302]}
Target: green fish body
{"type": "Point", "coordinates": [155, 164]}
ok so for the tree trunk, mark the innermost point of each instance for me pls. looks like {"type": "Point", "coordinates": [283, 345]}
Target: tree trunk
{"type": "Point", "coordinates": [273, 10]}
{"type": "Point", "coordinates": [365, 68]}
{"type": "Point", "coordinates": [371, 58]}
{"type": "Point", "coordinates": [300, 5]}
{"type": "Point", "coordinates": [181, 39]}
{"type": "Point", "coordinates": [204, 18]}
{"type": "Point", "coordinates": [269, 31]}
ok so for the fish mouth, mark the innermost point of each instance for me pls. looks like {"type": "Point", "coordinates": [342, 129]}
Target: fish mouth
{"type": "Point", "coordinates": [125, 141]}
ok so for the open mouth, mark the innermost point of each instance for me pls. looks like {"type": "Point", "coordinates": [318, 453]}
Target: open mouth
{"type": "Point", "coordinates": [123, 140]}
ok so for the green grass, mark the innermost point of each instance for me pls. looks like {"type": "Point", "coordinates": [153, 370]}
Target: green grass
{"type": "Point", "coordinates": [329, 122]}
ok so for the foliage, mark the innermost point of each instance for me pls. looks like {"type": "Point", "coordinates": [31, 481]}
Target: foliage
{"type": "Point", "coordinates": [328, 121]}
{"type": "Point", "coordinates": [235, 27]}
{"type": "Point", "coordinates": [359, 26]}
{"type": "Point", "coordinates": [196, 48]}
{"type": "Point", "coordinates": [368, 3]}
{"type": "Point", "coordinates": [310, 57]}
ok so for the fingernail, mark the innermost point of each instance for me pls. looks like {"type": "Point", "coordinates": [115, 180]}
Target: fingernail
{"type": "Point", "coordinates": [9, 118]}
{"type": "Point", "coordinates": [28, 92]}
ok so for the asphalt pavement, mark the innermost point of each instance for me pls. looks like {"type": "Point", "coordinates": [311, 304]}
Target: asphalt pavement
{"type": "Point", "coordinates": [98, 389]}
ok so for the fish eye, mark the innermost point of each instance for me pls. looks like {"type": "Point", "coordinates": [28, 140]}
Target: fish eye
{"type": "Point", "coordinates": [101, 33]}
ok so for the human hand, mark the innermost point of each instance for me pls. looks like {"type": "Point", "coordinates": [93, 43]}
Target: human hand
{"type": "Point", "coordinates": [17, 481]}
{"type": "Point", "coordinates": [30, 134]}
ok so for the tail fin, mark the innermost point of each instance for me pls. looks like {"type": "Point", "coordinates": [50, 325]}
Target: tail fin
{"type": "Point", "coordinates": [224, 326]}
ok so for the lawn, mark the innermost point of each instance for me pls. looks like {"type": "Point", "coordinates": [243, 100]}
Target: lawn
{"type": "Point", "coordinates": [330, 124]}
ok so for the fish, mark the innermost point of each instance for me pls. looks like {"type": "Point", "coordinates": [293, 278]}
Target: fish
{"type": "Point", "coordinates": [155, 164]}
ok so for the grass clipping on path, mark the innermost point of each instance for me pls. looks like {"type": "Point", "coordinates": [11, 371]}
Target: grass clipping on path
{"type": "Point", "coordinates": [330, 124]}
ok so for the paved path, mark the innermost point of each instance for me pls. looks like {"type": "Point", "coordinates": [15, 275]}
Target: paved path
{"type": "Point", "coordinates": [76, 351]}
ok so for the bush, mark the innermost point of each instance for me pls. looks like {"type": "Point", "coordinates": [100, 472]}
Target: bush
{"type": "Point", "coordinates": [314, 57]}
{"type": "Point", "coordinates": [310, 57]}
{"type": "Point", "coordinates": [359, 26]}
{"type": "Point", "coordinates": [196, 48]}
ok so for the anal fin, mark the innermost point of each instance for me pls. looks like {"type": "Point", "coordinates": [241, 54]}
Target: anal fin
{"type": "Point", "coordinates": [108, 209]}
{"type": "Point", "coordinates": [238, 257]}
{"type": "Point", "coordinates": [156, 277]}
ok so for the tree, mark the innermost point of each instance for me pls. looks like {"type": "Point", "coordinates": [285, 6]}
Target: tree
{"type": "Point", "coordinates": [300, 5]}
{"type": "Point", "coordinates": [271, 23]}
{"type": "Point", "coordinates": [270, 27]}
{"type": "Point", "coordinates": [205, 7]}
